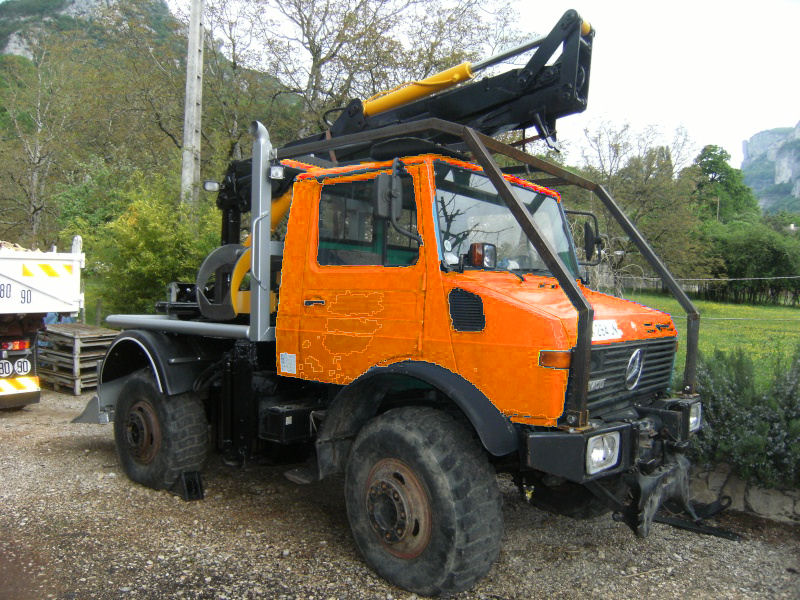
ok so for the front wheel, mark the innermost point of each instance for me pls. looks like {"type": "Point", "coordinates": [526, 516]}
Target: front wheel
{"type": "Point", "coordinates": [158, 437]}
{"type": "Point", "coordinates": [423, 501]}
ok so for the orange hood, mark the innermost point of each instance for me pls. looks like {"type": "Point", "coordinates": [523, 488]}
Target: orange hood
{"type": "Point", "coordinates": [615, 320]}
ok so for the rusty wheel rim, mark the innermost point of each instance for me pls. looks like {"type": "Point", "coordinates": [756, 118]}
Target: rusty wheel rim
{"type": "Point", "coordinates": [142, 432]}
{"type": "Point", "coordinates": [398, 508]}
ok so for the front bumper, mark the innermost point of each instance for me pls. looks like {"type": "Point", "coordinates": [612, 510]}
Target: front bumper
{"type": "Point", "coordinates": [19, 399]}
{"type": "Point", "coordinates": [650, 459]}
{"type": "Point", "coordinates": [645, 435]}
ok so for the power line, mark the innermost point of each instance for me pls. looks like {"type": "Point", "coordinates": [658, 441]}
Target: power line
{"type": "Point", "coordinates": [716, 278]}
{"type": "Point", "coordinates": [702, 318]}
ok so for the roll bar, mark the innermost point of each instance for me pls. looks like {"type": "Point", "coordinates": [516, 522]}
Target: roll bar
{"type": "Point", "coordinates": [576, 413]}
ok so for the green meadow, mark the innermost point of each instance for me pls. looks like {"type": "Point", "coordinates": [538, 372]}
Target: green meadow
{"type": "Point", "coordinates": [762, 332]}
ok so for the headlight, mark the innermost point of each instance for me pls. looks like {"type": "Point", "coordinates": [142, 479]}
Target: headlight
{"type": "Point", "coordinates": [602, 452]}
{"type": "Point", "coordinates": [695, 416]}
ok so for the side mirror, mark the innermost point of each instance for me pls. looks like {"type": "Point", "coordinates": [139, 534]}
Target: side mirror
{"type": "Point", "coordinates": [592, 242]}
{"type": "Point", "coordinates": [389, 193]}
{"type": "Point", "coordinates": [589, 240]}
{"type": "Point", "coordinates": [210, 185]}
{"type": "Point", "coordinates": [388, 196]}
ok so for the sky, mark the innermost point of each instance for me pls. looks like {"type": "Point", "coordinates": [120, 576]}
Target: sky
{"type": "Point", "coordinates": [722, 70]}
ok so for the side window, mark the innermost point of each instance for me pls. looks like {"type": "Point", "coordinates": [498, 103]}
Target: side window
{"type": "Point", "coordinates": [351, 234]}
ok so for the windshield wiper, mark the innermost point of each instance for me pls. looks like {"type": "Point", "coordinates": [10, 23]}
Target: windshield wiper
{"type": "Point", "coordinates": [513, 272]}
{"type": "Point", "coordinates": [533, 271]}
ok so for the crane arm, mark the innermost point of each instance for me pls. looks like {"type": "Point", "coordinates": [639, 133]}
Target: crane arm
{"type": "Point", "coordinates": [548, 87]}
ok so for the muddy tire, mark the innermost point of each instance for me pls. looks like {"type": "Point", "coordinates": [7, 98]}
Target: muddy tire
{"type": "Point", "coordinates": [423, 502]}
{"type": "Point", "coordinates": [158, 438]}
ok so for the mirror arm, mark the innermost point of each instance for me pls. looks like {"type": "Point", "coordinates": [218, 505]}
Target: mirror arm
{"type": "Point", "coordinates": [594, 263]}
{"type": "Point", "coordinates": [405, 232]}
{"type": "Point", "coordinates": [448, 268]}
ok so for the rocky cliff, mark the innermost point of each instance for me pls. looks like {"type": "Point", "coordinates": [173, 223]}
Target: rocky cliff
{"type": "Point", "coordinates": [22, 20]}
{"type": "Point", "coordinates": [771, 167]}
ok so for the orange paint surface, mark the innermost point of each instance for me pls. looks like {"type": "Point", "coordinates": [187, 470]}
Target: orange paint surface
{"type": "Point", "coordinates": [336, 322]}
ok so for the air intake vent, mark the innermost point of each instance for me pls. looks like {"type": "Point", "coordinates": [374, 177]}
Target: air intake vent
{"type": "Point", "coordinates": [466, 310]}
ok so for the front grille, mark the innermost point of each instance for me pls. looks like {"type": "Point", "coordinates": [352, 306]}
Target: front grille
{"type": "Point", "coordinates": [609, 364]}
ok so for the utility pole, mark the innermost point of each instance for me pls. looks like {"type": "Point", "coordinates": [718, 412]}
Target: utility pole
{"type": "Point", "coordinates": [193, 107]}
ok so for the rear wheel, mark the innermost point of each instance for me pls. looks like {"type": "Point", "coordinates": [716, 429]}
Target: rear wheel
{"type": "Point", "coordinates": [158, 438]}
{"type": "Point", "coordinates": [423, 501]}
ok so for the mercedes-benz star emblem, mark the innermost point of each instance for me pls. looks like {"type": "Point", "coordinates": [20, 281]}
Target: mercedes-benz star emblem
{"type": "Point", "coordinates": [633, 372]}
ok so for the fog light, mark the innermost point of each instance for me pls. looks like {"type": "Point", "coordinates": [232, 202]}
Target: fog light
{"type": "Point", "coordinates": [602, 452]}
{"type": "Point", "coordinates": [695, 416]}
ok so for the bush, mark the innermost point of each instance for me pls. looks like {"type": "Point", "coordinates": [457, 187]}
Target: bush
{"type": "Point", "coordinates": [153, 241]}
{"type": "Point", "coordinates": [759, 255]}
{"type": "Point", "coordinates": [756, 431]}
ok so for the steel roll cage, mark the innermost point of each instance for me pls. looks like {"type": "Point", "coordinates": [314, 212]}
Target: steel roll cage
{"type": "Point", "coordinates": [576, 413]}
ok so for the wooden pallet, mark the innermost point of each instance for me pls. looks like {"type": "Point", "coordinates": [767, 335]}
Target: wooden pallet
{"type": "Point", "coordinates": [68, 354]}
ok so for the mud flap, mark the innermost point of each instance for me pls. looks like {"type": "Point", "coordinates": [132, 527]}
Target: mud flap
{"type": "Point", "coordinates": [189, 486]}
{"type": "Point", "coordinates": [100, 409]}
{"type": "Point", "coordinates": [92, 414]}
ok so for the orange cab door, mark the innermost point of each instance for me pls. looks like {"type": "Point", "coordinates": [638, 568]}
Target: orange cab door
{"type": "Point", "coordinates": [363, 285]}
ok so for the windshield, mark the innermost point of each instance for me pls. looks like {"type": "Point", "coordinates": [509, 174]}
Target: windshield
{"type": "Point", "coordinates": [469, 210]}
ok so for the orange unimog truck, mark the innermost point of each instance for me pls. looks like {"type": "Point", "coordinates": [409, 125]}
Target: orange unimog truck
{"type": "Point", "coordinates": [425, 324]}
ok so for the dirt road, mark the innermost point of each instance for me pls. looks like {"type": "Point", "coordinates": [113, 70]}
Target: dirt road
{"type": "Point", "coordinates": [72, 526]}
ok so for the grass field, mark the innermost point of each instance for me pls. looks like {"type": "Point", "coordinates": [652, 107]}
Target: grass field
{"type": "Point", "coordinates": [763, 332]}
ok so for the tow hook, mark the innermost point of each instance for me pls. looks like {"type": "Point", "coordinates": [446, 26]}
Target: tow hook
{"type": "Point", "coordinates": [668, 482]}
{"type": "Point", "coordinates": [663, 496]}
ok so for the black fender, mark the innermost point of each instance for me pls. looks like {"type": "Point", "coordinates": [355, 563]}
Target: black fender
{"type": "Point", "coordinates": [175, 362]}
{"type": "Point", "coordinates": [359, 401]}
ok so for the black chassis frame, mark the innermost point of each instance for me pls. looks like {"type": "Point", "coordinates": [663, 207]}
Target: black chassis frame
{"type": "Point", "coordinates": [576, 413]}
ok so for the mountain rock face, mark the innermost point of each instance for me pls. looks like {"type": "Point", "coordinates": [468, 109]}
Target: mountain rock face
{"type": "Point", "coordinates": [771, 167]}
{"type": "Point", "coordinates": [87, 8]}
{"type": "Point", "coordinates": [22, 19]}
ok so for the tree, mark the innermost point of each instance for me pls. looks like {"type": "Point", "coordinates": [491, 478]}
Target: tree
{"type": "Point", "coordinates": [37, 100]}
{"type": "Point", "coordinates": [152, 241]}
{"type": "Point", "coordinates": [92, 196]}
{"type": "Point", "coordinates": [328, 52]}
{"type": "Point", "coordinates": [136, 66]}
{"type": "Point", "coordinates": [646, 180]}
{"type": "Point", "coordinates": [236, 92]}
{"type": "Point", "coordinates": [760, 258]}
{"type": "Point", "coordinates": [721, 191]}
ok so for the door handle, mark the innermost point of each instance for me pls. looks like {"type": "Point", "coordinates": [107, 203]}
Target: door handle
{"type": "Point", "coordinates": [313, 302]}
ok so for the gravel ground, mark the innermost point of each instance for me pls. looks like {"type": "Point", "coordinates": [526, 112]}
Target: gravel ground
{"type": "Point", "coordinates": [73, 526]}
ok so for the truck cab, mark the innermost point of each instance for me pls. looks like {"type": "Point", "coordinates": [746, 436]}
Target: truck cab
{"type": "Point", "coordinates": [458, 285]}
